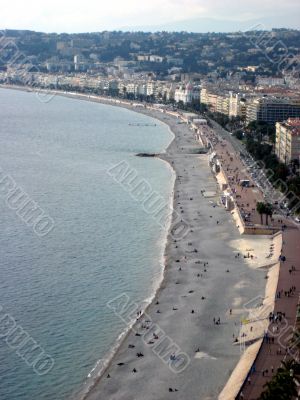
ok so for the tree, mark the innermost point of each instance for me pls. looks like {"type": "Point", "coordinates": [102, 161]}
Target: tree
{"type": "Point", "coordinates": [239, 134]}
{"type": "Point", "coordinates": [295, 165]}
{"type": "Point", "coordinates": [268, 208]}
{"type": "Point", "coordinates": [282, 386]}
{"type": "Point", "coordinates": [203, 107]}
{"type": "Point", "coordinates": [260, 208]}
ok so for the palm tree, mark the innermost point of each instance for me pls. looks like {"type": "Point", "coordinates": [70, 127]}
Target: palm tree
{"type": "Point", "coordinates": [260, 208]}
{"type": "Point", "coordinates": [287, 365]}
{"type": "Point", "coordinates": [268, 211]}
{"type": "Point", "coordinates": [282, 386]}
{"type": "Point", "coordinates": [296, 345]}
{"type": "Point", "coordinates": [295, 340]}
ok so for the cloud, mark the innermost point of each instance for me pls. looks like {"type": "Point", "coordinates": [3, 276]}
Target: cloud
{"type": "Point", "coordinates": [236, 9]}
{"type": "Point", "coordinates": [96, 15]}
{"type": "Point", "coordinates": [93, 14]}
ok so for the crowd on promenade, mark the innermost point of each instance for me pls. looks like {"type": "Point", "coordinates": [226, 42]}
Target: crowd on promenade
{"type": "Point", "coordinates": [276, 345]}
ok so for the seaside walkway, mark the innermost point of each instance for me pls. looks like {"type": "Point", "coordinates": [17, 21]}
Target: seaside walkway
{"type": "Point", "coordinates": [272, 354]}
{"type": "Point", "coordinates": [276, 347]}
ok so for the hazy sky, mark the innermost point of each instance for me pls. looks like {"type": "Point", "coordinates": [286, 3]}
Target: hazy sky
{"type": "Point", "coordinates": [98, 15]}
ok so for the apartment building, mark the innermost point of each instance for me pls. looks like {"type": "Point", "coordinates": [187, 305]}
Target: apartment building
{"type": "Point", "coordinates": [209, 98]}
{"type": "Point", "coordinates": [287, 146]}
{"type": "Point", "coordinates": [237, 105]}
{"type": "Point", "coordinates": [272, 110]}
{"type": "Point", "coordinates": [224, 102]}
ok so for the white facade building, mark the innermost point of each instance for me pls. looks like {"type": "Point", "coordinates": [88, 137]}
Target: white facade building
{"type": "Point", "coordinates": [186, 93]}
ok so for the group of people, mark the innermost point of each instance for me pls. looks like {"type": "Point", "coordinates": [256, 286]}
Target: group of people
{"type": "Point", "coordinates": [276, 317]}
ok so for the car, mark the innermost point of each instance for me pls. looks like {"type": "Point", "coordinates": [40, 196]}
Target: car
{"type": "Point", "coordinates": [297, 219]}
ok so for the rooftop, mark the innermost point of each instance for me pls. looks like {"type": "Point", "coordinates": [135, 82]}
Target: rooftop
{"type": "Point", "coordinates": [293, 122]}
{"type": "Point", "coordinates": [294, 126]}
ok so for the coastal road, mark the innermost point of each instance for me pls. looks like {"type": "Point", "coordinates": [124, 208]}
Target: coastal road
{"type": "Point", "coordinates": [227, 136]}
{"type": "Point", "coordinates": [271, 194]}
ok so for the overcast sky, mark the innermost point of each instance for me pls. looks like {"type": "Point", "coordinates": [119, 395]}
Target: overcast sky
{"type": "Point", "coordinates": [98, 15]}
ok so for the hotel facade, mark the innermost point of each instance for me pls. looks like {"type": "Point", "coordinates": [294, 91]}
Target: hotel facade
{"type": "Point", "coordinates": [287, 146]}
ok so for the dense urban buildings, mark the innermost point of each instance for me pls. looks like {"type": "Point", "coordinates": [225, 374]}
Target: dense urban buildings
{"type": "Point", "coordinates": [226, 74]}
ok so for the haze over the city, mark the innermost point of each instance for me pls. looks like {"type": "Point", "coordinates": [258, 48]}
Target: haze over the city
{"type": "Point", "coordinates": [171, 15]}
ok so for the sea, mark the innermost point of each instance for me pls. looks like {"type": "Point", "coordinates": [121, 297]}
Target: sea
{"type": "Point", "coordinates": [88, 239]}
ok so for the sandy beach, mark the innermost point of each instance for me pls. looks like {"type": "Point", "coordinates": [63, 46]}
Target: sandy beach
{"type": "Point", "coordinates": [177, 350]}
{"type": "Point", "coordinates": [202, 281]}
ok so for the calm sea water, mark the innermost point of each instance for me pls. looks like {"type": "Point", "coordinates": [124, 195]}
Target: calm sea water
{"type": "Point", "coordinates": [103, 243]}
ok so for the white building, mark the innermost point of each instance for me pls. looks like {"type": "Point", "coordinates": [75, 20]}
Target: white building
{"type": "Point", "coordinates": [150, 88]}
{"type": "Point", "coordinates": [270, 81]}
{"type": "Point", "coordinates": [186, 93]}
{"type": "Point", "coordinates": [154, 58]}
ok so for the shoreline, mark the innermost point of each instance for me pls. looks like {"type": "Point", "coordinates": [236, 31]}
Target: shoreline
{"type": "Point", "coordinates": [165, 157]}
{"type": "Point", "coordinates": [110, 354]}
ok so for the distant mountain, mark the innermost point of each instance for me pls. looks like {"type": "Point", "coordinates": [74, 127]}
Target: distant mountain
{"type": "Point", "coordinates": [203, 25]}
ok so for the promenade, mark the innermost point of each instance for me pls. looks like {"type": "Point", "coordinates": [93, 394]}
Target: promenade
{"type": "Point", "coordinates": [272, 354]}
{"type": "Point", "coordinates": [276, 345]}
